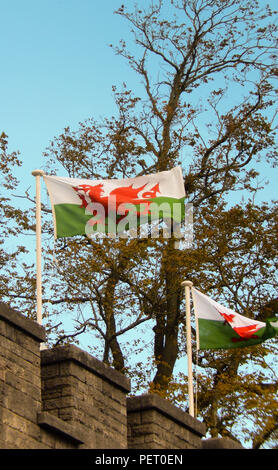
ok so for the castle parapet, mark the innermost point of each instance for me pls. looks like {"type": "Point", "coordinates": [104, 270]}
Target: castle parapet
{"type": "Point", "coordinates": [64, 398]}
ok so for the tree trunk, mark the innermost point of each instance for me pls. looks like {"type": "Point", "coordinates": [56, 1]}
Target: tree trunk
{"type": "Point", "coordinates": [111, 342]}
{"type": "Point", "coordinates": [166, 330]}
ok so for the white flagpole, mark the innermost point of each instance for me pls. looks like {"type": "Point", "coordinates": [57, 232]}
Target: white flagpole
{"type": "Point", "coordinates": [196, 321]}
{"type": "Point", "coordinates": [38, 174]}
{"type": "Point", "coordinates": [187, 285]}
{"type": "Point", "coordinates": [197, 344]}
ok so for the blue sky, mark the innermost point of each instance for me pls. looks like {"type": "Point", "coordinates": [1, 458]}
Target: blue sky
{"type": "Point", "coordinates": [57, 70]}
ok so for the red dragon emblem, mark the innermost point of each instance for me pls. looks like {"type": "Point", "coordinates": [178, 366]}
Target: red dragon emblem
{"type": "Point", "coordinates": [245, 332]}
{"type": "Point", "coordinates": [121, 195]}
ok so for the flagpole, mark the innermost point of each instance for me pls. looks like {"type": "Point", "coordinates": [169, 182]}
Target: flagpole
{"type": "Point", "coordinates": [38, 174]}
{"type": "Point", "coordinates": [196, 322]}
{"type": "Point", "coordinates": [187, 285]}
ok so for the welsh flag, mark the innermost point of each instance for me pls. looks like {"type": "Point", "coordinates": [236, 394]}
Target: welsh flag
{"type": "Point", "coordinates": [82, 206]}
{"type": "Point", "coordinates": [222, 328]}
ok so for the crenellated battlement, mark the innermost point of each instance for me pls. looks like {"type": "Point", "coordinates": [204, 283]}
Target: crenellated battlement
{"type": "Point", "coordinates": [64, 398]}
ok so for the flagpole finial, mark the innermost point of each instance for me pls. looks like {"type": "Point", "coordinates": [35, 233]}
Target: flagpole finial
{"type": "Point", "coordinates": [37, 172]}
{"type": "Point", "coordinates": [187, 283]}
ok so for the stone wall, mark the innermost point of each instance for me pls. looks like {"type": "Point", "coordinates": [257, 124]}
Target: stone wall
{"type": "Point", "coordinates": [82, 391]}
{"type": "Point", "coordinates": [20, 380]}
{"type": "Point", "coordinates": [154, 423]}
{"type": "Point", "coordinates": [64, 398]}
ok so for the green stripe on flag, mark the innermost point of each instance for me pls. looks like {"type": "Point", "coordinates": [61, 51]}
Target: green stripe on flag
{"type": "Point", "coordinates": [219, 335]}
{"type": "Point", "coordinates": [71, 219]}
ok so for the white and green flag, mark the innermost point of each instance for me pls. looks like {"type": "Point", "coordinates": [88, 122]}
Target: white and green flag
{"type": "Point", "coordinates": [82, 206]}
{"type": "Point", "coordinates": [222, 328]}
